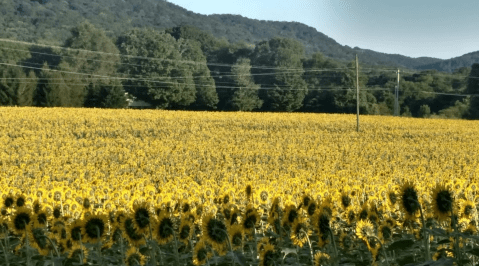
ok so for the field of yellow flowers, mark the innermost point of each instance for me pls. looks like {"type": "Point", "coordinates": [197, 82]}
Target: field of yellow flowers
{"type": "Point", "coordinates": [150, 187]}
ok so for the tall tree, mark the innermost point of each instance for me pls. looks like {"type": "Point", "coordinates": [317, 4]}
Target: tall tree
{"type": "Point", "coordinates": [285, 89]}
{"type": "Point", "coordinates": [245, 97]}
{"type": "Point", "coordinates": [52, 91]}
{"type": "Point", "coordinates": [99, 64]}
{"type": "Point", "coordinates": [473, 88]}
{"type": "Point", "coordinates": [206, 95]}
{"type": "Point", "coordinates": [17, 87]}
{"type": "Point", "coordinates": [163, 78]}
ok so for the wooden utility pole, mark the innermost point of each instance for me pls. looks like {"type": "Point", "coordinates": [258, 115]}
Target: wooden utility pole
{"type": "Point", "coordinates": [396, 98]}
{"type": "Point", "coordinates": [357, 94]}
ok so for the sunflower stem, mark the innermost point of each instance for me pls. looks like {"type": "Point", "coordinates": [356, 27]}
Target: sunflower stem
{"type": "Point", "coordinates": [153, 247]}
{"type": "Point", "coordinates": [81, 249]}
{"type": "Point", "coordinates": [27, 245]}
{"type": "Point", "coordinates": [122, 251]}
{"type": "Point", "coordinates": [310, 247]}
{"type": "Point", "coordinates": [53, 245]}
{"type": "Point", "coordinates": [336, 258]}
{"type": "Point", "coordinates": [177, 255]}
{"type": "Point", "coordinates": [229, 245]}
{"type": "Point", "coordinates": [456, 241]}
{"type": "Point", "coordinates": [99, 244]}
{"type": "Point", "coordinates": [3, 246]}
{"type": "Point", "coordinates": [426, 237]}
{"type": "Point", "coordinates": [382, 248]}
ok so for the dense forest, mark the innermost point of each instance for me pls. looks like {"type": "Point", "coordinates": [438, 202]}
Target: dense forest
{"type": "Point", "coordinates": [50, 22]}
{"type": "Point", "coordinates": [102, 64]}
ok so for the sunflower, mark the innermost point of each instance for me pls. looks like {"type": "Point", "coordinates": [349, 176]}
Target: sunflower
{"type": "Point", "coordinates": [442, 201]}
{"type": "Point", "coordinates": [40, 219]}
{"type": "Point", "coordinates": [300, 232]}
{"type": "Point", "coordinates": [75, 230]}
{"type": "Point", "coordinates": [8, 200]}
{"type": "Point", "coordinates": [263, 194]}
{"type": "Point", "coordinates": [185, 230]}
{"type": "Point", "coordinates": [95, 228]}
{"type": "Point", "coordinates": [236, 234]}
{"type": "Point", "coordinates": [385, 232]}
{"type": "Point", "coordinates": [21, 200]}
{"type": "Point", "coordinates": [311, 209]}
{"type": "Point", "coordinates": [321, 259]}
{"type": "Point", "coordinates": [129, 232]}
{"type": "Point", "coordinates": [409, 200]}
{"type": "Point", "coordinates": [322, 221]}
{"type": "Point", "coordinates": [201, 254]}
{"type": "Point", "coordinates": [134, 257]}
{"type": "Point", "coordinates": [290, 215]}
{"type": "Point", "coordinates": [250, 220]}
{"type": "Point", "coordinates": [38, 240]}
{"type": "Point", "coordinates": [467, 209]}
{"type": "Point", "coordinates": [364, 229]}
{"type": "Point", "coordinates": [267, 256]}
{"type": "Point", "coordinates": [21, 218]}
{"type": "Point", "coordinates": [142, 214]}
{"type": "Point", "coordinates": [346, 241]}
{"type": "Point", "coordinates": [78, 251]}
{"type": "Point", "coordinates": [345, 198]}
{"type": "Point", "coordinates": [163, 230]}
{"type": "Point", "coordinates": [215, 232]}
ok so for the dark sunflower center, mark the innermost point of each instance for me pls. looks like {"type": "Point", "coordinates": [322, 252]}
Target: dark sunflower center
{"type": "Point", "coordinates": [387, 233]}
{"type": "Point", "coordinates": [363, 215]}
{"type": "Point", "coordinates": [216, 230]}
{"type": "Point", "coordinates": [39, 238]}
{"type": "Point", "coordinates": [57, 213]}
{"type": "Point", "coordinates": [186, 207]}
{"type": "Point", "coordinates": [142, 217]}
{"type": "Point", "coordinates": [346, 201]}
{"type": "Point", "coordinates": [306, 201]}
{"type": "Point", "coordinates": [134, 259]}
{"type": "Point", "coordinates": [236, 240]}
{"type": "Point", "coordinates": [20, 202]}
{"type": "Point", "coordinates": [86, 203]}
{"type": "Point", "coordinates": [299, 231]}
{"type": "Point", "coordinates": [410, 200]}
{"type": "Point", "coordinates": [36, 207]}
{"type": "Point", "coordinates": [263, 195]}
{"type": "Point", "coordinates": [249, 189]}
{"type": "Point", "coordinates": [234, 218]}
{"type": "Point", "coordinates": [468, 210]}
{"type": "Point", "coordinates": [185, 232]}
{"type": "Point", "coordinates": [249, 222]}
{"type": "Point", "coordinates": [76, 233]}
{"type": "Point", "coordinates": [63, 233]}
{"type": "Point", "coordinates": [311, 208]}
{"type": "Point", "coordinates": [165, 228]}
{"type": "Point", "coordinates": [94, 228]}
{"type": "Point", "coordinates": [351, 216]}
{"type": "Point", "coordinates": [202, 254]}
{"type": "Point", "coordinates": [292, 215]}
{"type": "Point", "coordinates": [227, 213]}
{"type": "Point", "coordinates": [323, 224]}
{"type": "Point", "coordinates": [42, 218]}
{"type": "Point", "coordinates": [444, 201]}
{"type": "Point", "coordinates": [8, 202]}
{"type": "Point", "coordinates": [21, 220]}
{"type": "Point", "coordinates": [130, 230]}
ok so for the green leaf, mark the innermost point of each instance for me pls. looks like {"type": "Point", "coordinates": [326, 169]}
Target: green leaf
{"type": "Point", "coordinates": [474, 251]}
{"type": "Point", "coordinates": [400, 244]}
{"type": "Point", "coordinates": [444, 241]}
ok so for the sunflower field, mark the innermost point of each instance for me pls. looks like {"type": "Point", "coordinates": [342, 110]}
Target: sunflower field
{"type": "Point", "coordinates": [151, 187]}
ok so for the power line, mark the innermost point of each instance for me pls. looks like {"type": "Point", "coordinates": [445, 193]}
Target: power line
{"type": "Point", "coordinates": [147, 58]}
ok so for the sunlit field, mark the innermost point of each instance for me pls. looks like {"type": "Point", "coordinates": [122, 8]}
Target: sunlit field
{"type": "Point", "coordinates": [150, 187]}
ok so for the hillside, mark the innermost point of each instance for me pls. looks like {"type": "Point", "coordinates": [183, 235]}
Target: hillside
{"type": "Point", "coordinates": [50, 21]}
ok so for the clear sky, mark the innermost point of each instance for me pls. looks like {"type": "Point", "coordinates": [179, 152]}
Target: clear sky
{"type": "Point", "coordinates": [434, 28]}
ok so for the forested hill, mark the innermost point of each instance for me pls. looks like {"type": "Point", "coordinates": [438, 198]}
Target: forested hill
{"type": "Point", "coordinates": [50, 21]}
{"type": "Point", "coordinates": [454, 63]}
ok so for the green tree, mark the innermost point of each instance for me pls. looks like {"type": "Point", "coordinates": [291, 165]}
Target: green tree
{"type": "Point", "coordinates": [16, 87]}
{"type": "Point", "coordinates": [424, 111]}
{"type": "Point", "coordinates": [285, 89]}
{"type": "Point", "coordinates": [52, 91]}
{"type": "Point", "coordinates": [473, 88]}
{"type": "Point", "coordinates": [162, 79]}
{"type": "Point", "coordinates": [206, 95]}
{"type": "Point", "coordinates": [245, 97]}
{"type": "Point", "coordinates": [98, 65]}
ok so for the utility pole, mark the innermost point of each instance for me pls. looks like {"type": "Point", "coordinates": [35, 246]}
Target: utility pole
{"type": "Point", "coordinates": [396, 97]}
{"type": "Point", "coordinates": [357, 94]}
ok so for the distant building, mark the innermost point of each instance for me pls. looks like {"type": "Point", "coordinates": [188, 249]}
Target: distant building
{"type": "Point", "coordinates": [134, 103]}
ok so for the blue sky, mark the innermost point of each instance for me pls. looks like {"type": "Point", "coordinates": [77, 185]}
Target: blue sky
{"type": "Point", "coordinates": [434, 28]}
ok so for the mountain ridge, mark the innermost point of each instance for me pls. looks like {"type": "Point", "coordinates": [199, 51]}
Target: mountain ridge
{"type": "Point", "coordinates": [49, 21]}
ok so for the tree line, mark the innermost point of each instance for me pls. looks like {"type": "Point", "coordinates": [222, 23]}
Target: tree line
{"type": "Point", "coordinates": [184, 68]}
